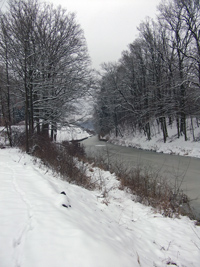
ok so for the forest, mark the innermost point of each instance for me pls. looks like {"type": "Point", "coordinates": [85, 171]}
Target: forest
{"type": "Point", "coordinates": [44, 66]}
{"type": "Point", "coordinates": [157, 79]}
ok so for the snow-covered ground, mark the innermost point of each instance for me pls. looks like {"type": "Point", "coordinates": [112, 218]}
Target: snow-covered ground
{"type": "Point", "coordinates": [173, 145]}
{"type": "Point", "coordinates": [71, 132]}
{"type": "Point", "coordinates": [65, 133]}
{"type": "Point", "coordinates": [102, 228]}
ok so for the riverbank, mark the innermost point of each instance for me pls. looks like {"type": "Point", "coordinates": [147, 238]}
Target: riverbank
{"type": "Point", "coordinates": [39, 210]}
{"type": "Point", "coordinates": [65, 133]}
{"type": "Point", "coordinates": [173, 145]}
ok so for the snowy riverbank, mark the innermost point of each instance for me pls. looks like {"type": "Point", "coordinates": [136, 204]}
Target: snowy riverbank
{"type": "Point", "coordinates": [174, 145]}
{"type": "Point", "coordinates": [97, 230]}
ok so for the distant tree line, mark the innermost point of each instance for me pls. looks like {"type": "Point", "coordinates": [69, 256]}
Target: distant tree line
{"type": "Point", "coordinates": [44, 65]}
{"type": "Point", "coordinates": [158, 77]}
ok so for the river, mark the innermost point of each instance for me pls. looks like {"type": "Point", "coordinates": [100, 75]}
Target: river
{"type": "Point", "coordinates": [185, 171]}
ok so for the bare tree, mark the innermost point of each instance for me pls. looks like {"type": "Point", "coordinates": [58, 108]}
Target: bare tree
{"type": "Point", "coordinates": [172, 13]}
{"type": "Point", "coordinates": [5, 79]}
{"type": "Point", "coordinates": [50, 61]}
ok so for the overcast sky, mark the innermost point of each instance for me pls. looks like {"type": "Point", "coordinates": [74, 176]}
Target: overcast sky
{"type": "Point", "coordinates": [109, 25]}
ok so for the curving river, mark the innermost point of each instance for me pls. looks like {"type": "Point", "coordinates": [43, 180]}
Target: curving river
{"type": "Point", "coordinates": [185, 171]}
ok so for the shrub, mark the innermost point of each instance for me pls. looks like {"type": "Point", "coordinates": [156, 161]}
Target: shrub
{"type": "Point", "coordinates": [152, 189]}
{"type": "Point", "coordinates": [148, 187]}
{"type": "Point", "coordinates": [60, 158]}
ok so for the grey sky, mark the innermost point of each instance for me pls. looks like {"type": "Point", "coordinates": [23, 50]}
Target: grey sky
{"type": "Point", "coordinates": [109, 25]}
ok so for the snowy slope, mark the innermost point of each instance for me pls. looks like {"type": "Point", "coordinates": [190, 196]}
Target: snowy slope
{"type": "Point", "coordinates": [71, 132]}
{"type": "Point", "coordinates": [64, 133]}
{"type": "Point", "coordinates": [174, 145]}
{"type": "Point", "coordinates": [98, 230]}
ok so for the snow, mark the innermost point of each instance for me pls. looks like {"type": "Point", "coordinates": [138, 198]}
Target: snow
{"type": "Point", "coordinates": [173, 145]}
{"type": "Point", "coordinates": [71, 132]}
{"type": "Point", "coordinates": [102, 228]}
{"type": "Point", "coordinates": [64, 133]}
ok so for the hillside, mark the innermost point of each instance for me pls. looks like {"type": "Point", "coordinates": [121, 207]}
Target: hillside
{"type": "Point", "coordinates": [174, 145]}
{"type": "Point", "coordinates": [93, 229]}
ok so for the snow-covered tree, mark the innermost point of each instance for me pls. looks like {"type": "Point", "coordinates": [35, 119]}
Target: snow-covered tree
{"type": "Point", "coordinates": [49, 58]}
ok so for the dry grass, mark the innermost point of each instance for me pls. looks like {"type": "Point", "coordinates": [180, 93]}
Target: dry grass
{"type": "Point", "coordinates": [153, 190]}
{"type": "Point", "coordinates": [148, 187]}
{"type": "Point", "coordinates": [61, 158]}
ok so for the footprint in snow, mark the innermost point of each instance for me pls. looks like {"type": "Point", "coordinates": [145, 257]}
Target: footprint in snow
{"type": "Point", "coordinates": [63, 200]}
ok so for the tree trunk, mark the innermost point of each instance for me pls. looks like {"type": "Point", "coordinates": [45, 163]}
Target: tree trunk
{"type": "Point", "coordinates": [148, 130]}
{"type": "Point", "coordinates": [192, 129]}
{"type": "Point", "coordinates": [183, 128]}
{"type": "Point", "coordinates": [45, 129]}
{"type": "Point", "coordinates": [178, 127]}
{"type": "Point", "coordinates": [26, 99]}
{"type": "Point", "coordinates": [164, 128]}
